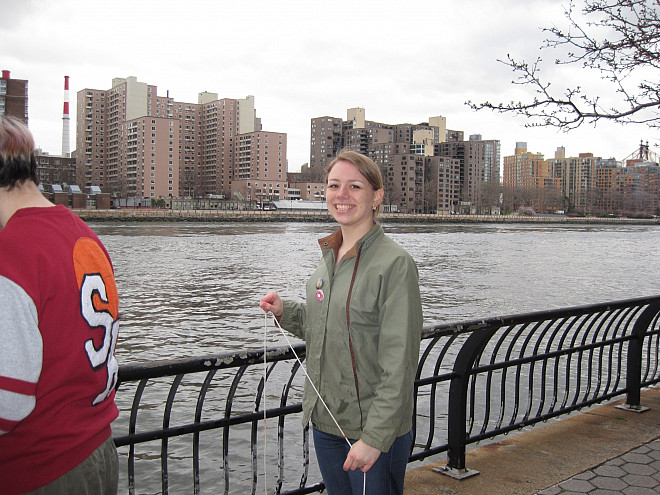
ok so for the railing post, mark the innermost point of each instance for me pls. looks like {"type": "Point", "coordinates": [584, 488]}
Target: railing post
{"type": "Point", "coordinates": [457, 405]}
{"type": "Point", "coordinates": [634, 359]}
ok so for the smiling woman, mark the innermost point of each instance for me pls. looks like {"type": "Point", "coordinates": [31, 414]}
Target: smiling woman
{"type": "Point", "coordinates": [354, 194]}
{"type": "Point", "coordinates": [362, 343]}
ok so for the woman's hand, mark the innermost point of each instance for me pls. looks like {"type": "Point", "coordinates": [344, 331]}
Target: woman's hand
{"type": "Point", "coordinates": [273, 303]}
{"type": "Point", "coordinates": [361, 456]}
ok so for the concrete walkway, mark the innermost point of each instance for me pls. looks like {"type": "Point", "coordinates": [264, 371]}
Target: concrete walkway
{"type": "Point", "coordinates": [602, 451]}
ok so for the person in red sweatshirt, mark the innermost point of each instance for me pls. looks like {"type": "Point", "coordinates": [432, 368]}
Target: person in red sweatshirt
{"type": "Point", "coordinates": [59, 319]}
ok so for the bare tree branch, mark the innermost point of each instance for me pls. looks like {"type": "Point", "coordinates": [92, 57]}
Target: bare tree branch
{"type": "Point", "coordinates": [621, 41]}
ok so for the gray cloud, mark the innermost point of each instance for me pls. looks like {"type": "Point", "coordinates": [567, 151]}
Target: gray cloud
{"type": "Point", "coordinates": [402, 61]}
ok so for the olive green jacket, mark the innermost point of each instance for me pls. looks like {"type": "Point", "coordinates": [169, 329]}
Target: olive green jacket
{"type": "Point", "coordinates": [385, 314]}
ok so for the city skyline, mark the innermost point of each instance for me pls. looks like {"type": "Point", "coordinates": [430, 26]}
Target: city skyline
{"type": "Point", "coordinates": [402, 63]}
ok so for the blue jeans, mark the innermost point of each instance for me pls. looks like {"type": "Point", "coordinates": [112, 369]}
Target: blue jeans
{"type": "Point", "coordinates": [384, 478]}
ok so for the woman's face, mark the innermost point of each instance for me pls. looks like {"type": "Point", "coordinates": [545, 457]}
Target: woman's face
{"type": "Point", "coordinates": [350, 197]}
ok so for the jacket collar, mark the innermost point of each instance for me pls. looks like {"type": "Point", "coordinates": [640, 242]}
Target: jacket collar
{"type": "Point", "coordinates": [334, 240]}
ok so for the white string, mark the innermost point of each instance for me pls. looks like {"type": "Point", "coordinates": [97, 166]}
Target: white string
{"type": "Point", "coordinates": [277, 323]}
{"type": "Point", "coordinates": [310, 381]}
{"type": "Point", "coordinates": [264, 395]}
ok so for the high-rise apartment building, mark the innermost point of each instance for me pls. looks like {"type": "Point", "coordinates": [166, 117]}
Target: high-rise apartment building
{"type": "Point", "coordinates": [326, 140]}
{"type": "Point", "coordinates": [151, 170]}
{"type": "Point", "coordinates": [91, 134]}
{"type": "Point", "coordinates": [445, 184]}
{"type": "Point", "coordinates": [608, 180]}
{"type": "Point", "coordinates": [578, 178]}
{"type": "Point", "coordinates": [491, 157]}
{"type": "Point", "coordinates": [134, 143]}
{"type": "Point", "coordinates": [261, 169]}
{"type": "Point", "coordinates": [220, 124]}
{"type": "Point", "coordinates": [523, 168]}
{"type": "Point", "coordinates": [14, 97]}
{"type": "Point", "coordinates": [479, 177]}
{"type": "Point", "coordinates": [414, 180]}
{"type": "Point", "coordinates": [644, 197]}
{"type": "Point", "coordinates": [421, 184]}
{"type": "Point", "coordinates": [529, 181]}
{"type": "Point", "coordinates": [190, 149]}
{"type": "Point", "coordinates": [633, 189]}
{"type": "Point", "coordinates": [405, 183]}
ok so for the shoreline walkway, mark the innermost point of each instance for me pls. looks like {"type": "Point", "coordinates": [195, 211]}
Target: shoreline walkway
{"type": "Point", "coordinates": [603, 451]}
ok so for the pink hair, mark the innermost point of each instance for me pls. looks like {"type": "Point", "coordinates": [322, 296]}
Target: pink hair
{"type": "Point", "coordinates": [15, 138]}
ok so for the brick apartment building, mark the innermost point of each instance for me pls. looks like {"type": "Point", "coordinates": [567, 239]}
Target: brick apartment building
{"type": "Point", "coordinates": [53, 169]}
{"type": "Point", "coordinates": [581, 184]}
{"type": "Point", "coordinates": [14, 97]}
{"type": "Point", "coordinates": [633, 188]}
{"type": "Point", "coordinates": [261, 173]}
{"type": "Point", "coordinates": [426, 167]}
{"type": "Point", "coordinates": [133, 143]}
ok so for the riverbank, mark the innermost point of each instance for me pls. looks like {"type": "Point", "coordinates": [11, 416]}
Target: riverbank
{"type": "Point", "coordinates": [164, 215]}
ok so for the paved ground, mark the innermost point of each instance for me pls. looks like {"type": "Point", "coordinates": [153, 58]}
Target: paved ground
{"type": "Point", "coordinates": [634, 473]}
{"type": "Point", "coordinates": [604, 451]}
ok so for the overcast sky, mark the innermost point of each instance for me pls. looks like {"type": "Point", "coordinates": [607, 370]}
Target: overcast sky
{"type": "Point", "coordinates": [402, 60]}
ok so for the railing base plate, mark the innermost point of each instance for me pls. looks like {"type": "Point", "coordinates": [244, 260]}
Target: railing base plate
{"type": "Point", "coordinates": [637, 409]}
{"type": "Point", "coordinates": [458, 474]}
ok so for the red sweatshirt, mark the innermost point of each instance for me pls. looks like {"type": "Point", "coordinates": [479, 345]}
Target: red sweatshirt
{"type": "Point", "coordinates": [59, 313]}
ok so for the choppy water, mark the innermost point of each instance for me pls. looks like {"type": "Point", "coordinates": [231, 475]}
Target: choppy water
{"type": "Point", "coordinates": [193, 288]}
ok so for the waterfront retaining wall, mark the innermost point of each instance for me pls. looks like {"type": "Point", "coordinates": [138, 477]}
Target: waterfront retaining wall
{"type": "Point", "coordinates": [165, 215]}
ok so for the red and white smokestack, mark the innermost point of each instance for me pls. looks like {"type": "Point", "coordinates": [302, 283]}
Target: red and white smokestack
{"type": "Point", "coordinates": [66, 148]}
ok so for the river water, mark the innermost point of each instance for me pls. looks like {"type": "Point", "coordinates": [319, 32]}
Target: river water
{"type": "Point", "coordinates": [190, 289]}
{"type": "Point", "coordinates": [193, 289]}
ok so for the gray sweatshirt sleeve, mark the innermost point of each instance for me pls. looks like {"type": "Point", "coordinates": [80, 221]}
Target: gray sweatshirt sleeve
{"type": "Point", "coordinates": [21, 354]}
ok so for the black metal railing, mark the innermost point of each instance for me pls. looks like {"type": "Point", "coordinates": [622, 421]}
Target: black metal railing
{"type": "Point", "coordinates": [198, 424]}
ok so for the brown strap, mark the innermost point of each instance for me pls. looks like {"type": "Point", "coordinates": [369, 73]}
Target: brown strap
{"type": "Point", "coordinates": [348, 326]}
